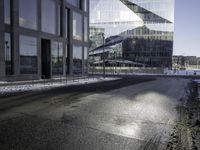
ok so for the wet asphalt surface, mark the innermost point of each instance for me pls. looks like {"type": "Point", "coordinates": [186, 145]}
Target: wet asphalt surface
{"type": "Point", "coordinates": [125, 114]}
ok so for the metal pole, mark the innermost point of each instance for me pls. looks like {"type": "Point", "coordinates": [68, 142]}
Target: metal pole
{"type": "Point", "coordinates": [6, 56]}
{"type": "Point", "coordinates": [103, 55]}
{"type": "Point", "coordinates": [93, 64]}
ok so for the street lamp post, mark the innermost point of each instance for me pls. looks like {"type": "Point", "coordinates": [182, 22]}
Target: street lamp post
{"type": "Point", "coordinates": [103, 38]}
{"type": "Point", "coordinates": [104, 70]}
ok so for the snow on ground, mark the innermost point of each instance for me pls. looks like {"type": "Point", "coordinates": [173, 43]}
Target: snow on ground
{"type": "Point", "coordinates": [48, 85]}
{"type": "Point", "coordinates": [182, 72]}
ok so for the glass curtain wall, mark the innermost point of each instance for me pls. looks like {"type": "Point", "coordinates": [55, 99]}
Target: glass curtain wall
{"type": "Point", "coordinates": [76, 3]}
{"type": "Point", "coordinates": [28, 14]}
{"type": "Point", "coordinates": [143, 27]}
{"type": "Point", "coordinates": [66, 60]}
{"type": "Point", "coordinates": [28, 54]}
{"type": "Point", "coordinates": [85, 5]}
{"type": "Point", "coordinates": [7, 11]}
{"type": "Point", "coordinates": [85, 29]}
{"type": "Point", "coordinates": [49, 16]}
{"type": "Point", "coordinates": [77, 59]}
{"type": "Point", "coordinates": [8, 53]}
{"type": "Point", "coordinates": [85, 60]}
{"type": "Point", "coordinates": [57, 58]}
{"type": "Point", "coordinates": [77, 26]}
{"type": "Point", "coordinates": [66, 23]}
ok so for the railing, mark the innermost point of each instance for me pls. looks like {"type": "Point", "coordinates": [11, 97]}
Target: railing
{"type": "Point", "coordinates": [125, 70]}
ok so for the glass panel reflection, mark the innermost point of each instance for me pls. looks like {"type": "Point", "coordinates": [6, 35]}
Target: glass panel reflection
{"type": "Point", "coordinates": [28, 54]}
{"type": "Point", "coordinates": [138, 31]}
{"type": "Point", "coordinates": [77, 26]}
{"type": "Point", "coordinates": [57, 58]}
{"type": "Point", "coordinates": [49, 16]}
{"type": "Point", "coordinates": [8, 53]}
{"type": "Point", "coordinates": [85, 60]}
{"type": "Point", "coordinates": [85, 29]}
{"type": "Point", "coordinates": [7, 11]}
{"type": "Point", "coordinates": [77, 59]}
{"type": "Point", "coordinates": [74, 2]}
{"type": "Point", "coordinates": [28, 13]}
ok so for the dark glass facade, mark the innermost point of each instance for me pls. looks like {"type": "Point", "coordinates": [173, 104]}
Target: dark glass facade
{"type": "Point", "coordinates": [49, 23]}
{"type": "Point", "coordinates": [7, 11]}
{"type": "Point", "coordinates": [77, 59]}
{"type": "Point", "coordinates": [28, 54]}
{"type": "Point", "coordinates": [43, 39]}
{"type": "Point", "coordinates": [8, 54]}
{"type": "Point", "coordinates": [28, 14]}
{"type": "Point", "coordinates": [57, 58]}
{"type": "Point", "coordinates": [77, 26]}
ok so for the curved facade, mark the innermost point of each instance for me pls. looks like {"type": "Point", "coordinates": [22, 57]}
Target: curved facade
{"type": "Point", "coordinates": [145, 27]}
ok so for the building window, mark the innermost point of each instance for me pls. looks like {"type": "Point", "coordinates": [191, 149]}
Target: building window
{"type": "Point", "coordinates": [66, 22]}
{"type": "Point", "coordinates": [77, 59]}
{"type": "Point", "coordinates": [85, 29]}
{"type": "Point", "coordinates": [85, 5]}
{"type": "Point", "coordinates": [49, 16]}
{"type": "Point", "coordinates": [8, 54]}
{"type": "Point", "coordinates": [75, 3]}
{"type": "Point", "coordinates": [77, 26]}
{"type": "Point", "coordinates": [85, 60]}
{"type": "Point", "coordinates": [28, 55]}
{"type": "Point", "coordinates": [59, 19]}
{"type": "Point", "coordinates": [7, 11]}
{"type": "Point", "coordinates": [66, 60]}
{"type": "Point", "coordinates": [28, 14]}
{"type": "Point", "coordinates": [57, 58]}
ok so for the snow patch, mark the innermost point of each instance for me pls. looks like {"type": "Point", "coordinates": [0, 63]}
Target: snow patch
{"type": "Point", "coordinates": [49, 85]}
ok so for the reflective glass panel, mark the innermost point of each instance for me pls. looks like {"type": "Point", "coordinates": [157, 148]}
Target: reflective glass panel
{"type": "Point", "coordinates": [66, 23]}
{"type": "Point", "coordinates": [85, 5]}
{"type": "Point", "coordinates": [57, 58]}
{"type": "Point", "coordinates": [28, 54]}
{"type": "Point", "coordinates": [66, 60]}
{"type": "Point", "coordinates": [85, 29]}
{"type": "Point", "coordinates": [49, 16]}
{"type": "Point", "coordinates": [8, 53]}
{"type": "Point", "coordinates": [140, 31]}
{"type": "Point", "coordinates": [7, 11]}
{"type": "Point", "coordinates": [77, 59]}
{"type": "Point", "coordinates": [77, 26]}
{"type": "Point", "coordinates": [28, 13]}
{"type": "Point", "coordinates": [75, 3]}
{"type": "Point", "coordinates": [86, 60]}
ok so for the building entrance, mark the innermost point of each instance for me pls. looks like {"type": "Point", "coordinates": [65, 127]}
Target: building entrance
{"type": "Point", "coordinates": [46, 59]}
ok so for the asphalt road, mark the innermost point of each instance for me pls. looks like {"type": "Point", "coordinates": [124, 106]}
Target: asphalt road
{"type": "Point", "coordinates": [127, 114]}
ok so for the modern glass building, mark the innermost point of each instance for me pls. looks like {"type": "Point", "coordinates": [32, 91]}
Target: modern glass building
{"type": "Point", "coordinates": [43, 38]}
{"type": "Point", "coordinates": [139, 31]}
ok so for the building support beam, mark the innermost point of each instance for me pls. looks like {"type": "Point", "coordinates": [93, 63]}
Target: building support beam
{"type": "Point", "coordinates": [2, 51]}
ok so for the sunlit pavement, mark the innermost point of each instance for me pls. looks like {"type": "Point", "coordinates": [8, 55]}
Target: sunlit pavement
{"type": "Point", "coordinates": [139, 116]}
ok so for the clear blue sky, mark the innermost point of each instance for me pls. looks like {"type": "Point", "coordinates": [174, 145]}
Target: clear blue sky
{"type": "Point", "coordinates": [187, 27]}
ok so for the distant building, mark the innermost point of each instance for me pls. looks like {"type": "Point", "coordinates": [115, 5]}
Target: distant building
{"type": "Point", "coordinates": [143, 29]}
{"type": "Point", "coordinates": [186, 62]}
{"type": "Point", "coordinates": [43, 38]}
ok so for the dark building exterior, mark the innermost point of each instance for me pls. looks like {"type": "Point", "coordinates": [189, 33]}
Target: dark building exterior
{"type": "Point", "coordinates": [43, 38]}
{"type": "Point", "coordinates": [152, 48]}
{"type": "Point", "coordinates": [140, 31]}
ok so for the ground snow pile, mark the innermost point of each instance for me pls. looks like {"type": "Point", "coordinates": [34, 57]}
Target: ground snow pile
{"type": "Point", "coordinates": [44, 86]}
